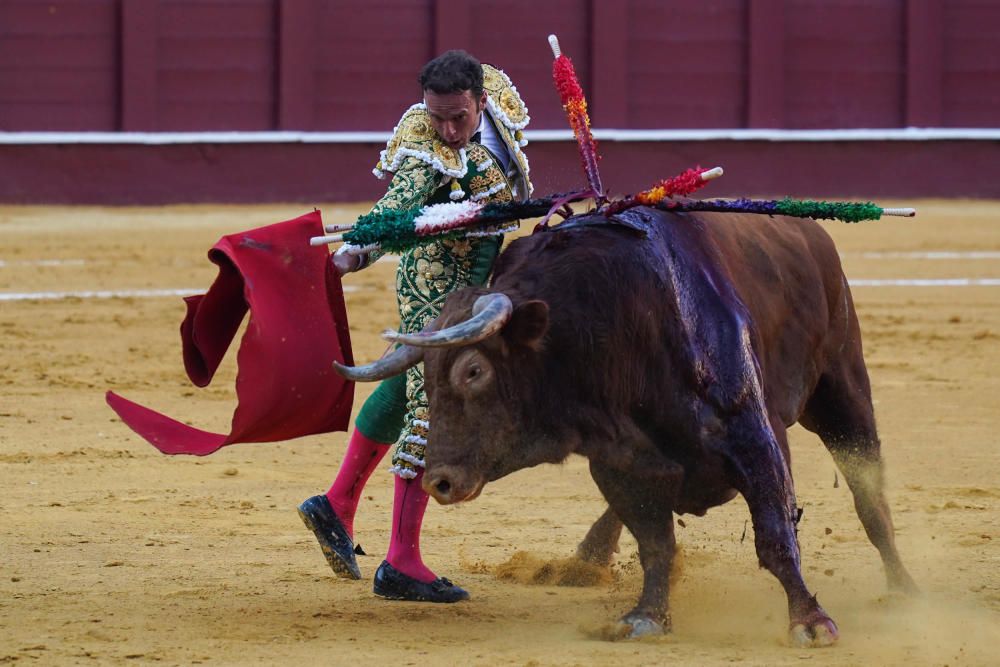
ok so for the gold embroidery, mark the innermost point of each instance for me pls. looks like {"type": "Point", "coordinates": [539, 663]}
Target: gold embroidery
{"type": "Point", "coordinates": [491, 184]}
{"type": "Point", "coordinates": [412, 184]}
{"type": "Point", "coordinates": [499, 87]}
{"type": "Point", "coordinates": [449, 265]}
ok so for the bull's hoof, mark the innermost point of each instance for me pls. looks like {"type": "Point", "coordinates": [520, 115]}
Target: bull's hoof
{"type": "Point", "coordinates": [600, 556]}
{"type": "Point", "coordinates": [901, 582]}
{"type": "Point", "coordinates": [816, 631]}
{"type": "Point", "coordinates": [635, 626]}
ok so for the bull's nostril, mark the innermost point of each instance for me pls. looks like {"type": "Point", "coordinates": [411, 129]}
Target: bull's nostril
{"type": "Point", "coordinates": [443, 487]}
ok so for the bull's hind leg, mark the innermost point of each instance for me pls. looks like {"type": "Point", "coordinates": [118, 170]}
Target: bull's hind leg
{"type": "Point", "coordinates": [644, 504]}
{"type": "Point", "coordinates": [601, 542]}
{"type": "Point", "coordinates": [840, 412]}
{"type": "Point", "coordinates": [761, 473]}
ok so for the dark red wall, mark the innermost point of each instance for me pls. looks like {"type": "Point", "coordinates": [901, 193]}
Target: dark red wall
{"type": "Point", "coordinates": [170, 65]}
{"type": "Point", "coordinates": [59, 65]}
{"type": "Point", "coordinates": [349, 65]}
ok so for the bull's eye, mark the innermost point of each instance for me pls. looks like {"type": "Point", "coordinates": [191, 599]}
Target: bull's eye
{"type": "Point", "coordinates": [471, 373]}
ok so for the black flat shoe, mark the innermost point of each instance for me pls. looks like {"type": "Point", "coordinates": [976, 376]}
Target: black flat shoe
{"type": "Point", "coordinates": [392, 584]}
{"type": "Point", "coordinates": [337, 546]}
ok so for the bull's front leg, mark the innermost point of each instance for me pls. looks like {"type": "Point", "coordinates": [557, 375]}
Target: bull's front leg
{"type": "Point", "coordinates": [763, 476]}
{"type": "Point", "coordinates": [644, 504]}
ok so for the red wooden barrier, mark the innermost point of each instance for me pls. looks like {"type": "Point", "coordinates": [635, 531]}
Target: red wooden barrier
{"type": "Point", "coordinates": [163, 65]}
{"type": "Point", "coordinates": [351, 65]}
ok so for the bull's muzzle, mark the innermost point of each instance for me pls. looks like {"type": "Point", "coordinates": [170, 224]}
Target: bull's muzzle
{"type": "Point", "coordinates": [449, 485]}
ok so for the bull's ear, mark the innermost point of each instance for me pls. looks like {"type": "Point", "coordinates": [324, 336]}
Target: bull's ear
{"type": "Point", "coordinates": [528, 324]}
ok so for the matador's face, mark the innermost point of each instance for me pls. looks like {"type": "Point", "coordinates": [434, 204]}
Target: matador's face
{"type": "Point", "coordinates": [454, 116]}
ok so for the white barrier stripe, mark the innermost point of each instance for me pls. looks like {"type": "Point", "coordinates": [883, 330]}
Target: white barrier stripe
{"type": "Point", "coordinates": [926, 282]}
{"type": "Point", "coordinates": [929, 254]}
{"type": "Point", "coordinates": [601, 134]}
{"type": "Point", "coordinates": [115, 294]}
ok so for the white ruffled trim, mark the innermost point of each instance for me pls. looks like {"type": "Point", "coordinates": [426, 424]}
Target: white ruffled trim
{"type": "Point", "coordinates": [405, 473]}
{"type": "Point", "coordinates": [456, 194]}
{"type": "Point", "coordinates": [499, 231]}
{"type": "Point", "coordinates": [485, 164]}
{"type": "Point", "coordinates": [486, 193]}
{"type": "Point", "coordinates": [423, 156]}
{"type": "Point", "coordinates": [415, 440]}
{"type": "Point", "coordinates": [410, 458]}
{"type": "Point", "coordinates": [421, 423]}
{"type": "Point", "coordinates": [527, 176]}
{"type": "Point", "coordinates": [444, 216]}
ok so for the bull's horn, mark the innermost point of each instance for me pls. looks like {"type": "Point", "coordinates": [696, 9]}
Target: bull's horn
{"type": "Point", "coordinates": [489, 314]}
{"type": "Point", "coordinates": [391, 364]}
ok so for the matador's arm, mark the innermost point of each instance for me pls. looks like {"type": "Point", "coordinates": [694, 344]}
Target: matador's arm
{"type": "Point", "coordinates": [412, 185]}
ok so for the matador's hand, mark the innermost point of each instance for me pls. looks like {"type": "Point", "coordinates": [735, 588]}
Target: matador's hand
{"type": "Point", "coordinates": [347, 263]}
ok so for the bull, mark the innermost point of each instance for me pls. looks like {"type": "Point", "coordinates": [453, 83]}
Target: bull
{"type": "Point", "coordinates": [673, 350]}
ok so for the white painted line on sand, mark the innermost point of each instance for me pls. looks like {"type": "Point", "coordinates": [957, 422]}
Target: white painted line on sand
{"type": "Point", "coordinates": [927, 254]}
{"type": "Point", "coordinates": [42, 262]}
{"type": "Point", "coordinates": [97, 294]}
{"type": "Point", "coordinates": [114, 294]}
{"type": "Point", "coordinates": [926, 282]}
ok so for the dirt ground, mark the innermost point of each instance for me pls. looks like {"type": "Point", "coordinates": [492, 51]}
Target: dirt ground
{"type": "Point", "coordinates": [111, 553]}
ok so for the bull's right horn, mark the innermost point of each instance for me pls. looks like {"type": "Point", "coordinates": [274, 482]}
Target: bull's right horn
{"type": "Point", "coordinates": [489, 313]}
{"type": "Point", "coordinates": [391, 364]}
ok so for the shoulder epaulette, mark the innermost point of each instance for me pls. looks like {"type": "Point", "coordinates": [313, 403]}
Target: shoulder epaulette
{"type": "Point", "coordinates": [414, 137]}
{"type": "Point", "coordinates": [504, 100]}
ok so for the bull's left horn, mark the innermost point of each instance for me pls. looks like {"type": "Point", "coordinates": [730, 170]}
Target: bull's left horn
{"type": "Point", "coordinates": [391, 364]}
{"type": "Point", "coordinates": [489, 313]}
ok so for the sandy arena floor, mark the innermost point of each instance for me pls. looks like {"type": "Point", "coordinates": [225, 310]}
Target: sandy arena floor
{"type": "Point", "coordinates": [111, 553]}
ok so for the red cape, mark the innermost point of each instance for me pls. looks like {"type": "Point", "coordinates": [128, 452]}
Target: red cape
{"type": "Point", "coordinates": [285, 384]}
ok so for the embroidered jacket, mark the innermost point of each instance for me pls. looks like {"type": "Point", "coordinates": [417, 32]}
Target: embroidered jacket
{"type": "Point", "coordinates": [425, 170]}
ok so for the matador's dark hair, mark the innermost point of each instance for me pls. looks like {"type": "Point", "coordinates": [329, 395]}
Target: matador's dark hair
{"type": "Point", "coordinates": [453, 72]}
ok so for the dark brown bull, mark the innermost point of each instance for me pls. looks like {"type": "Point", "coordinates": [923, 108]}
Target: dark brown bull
{"type": "Point", "coordinates": [674, 358]}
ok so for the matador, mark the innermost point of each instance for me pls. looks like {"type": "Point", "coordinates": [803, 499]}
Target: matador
{"type": "Point", "coordinates": [463, 142]}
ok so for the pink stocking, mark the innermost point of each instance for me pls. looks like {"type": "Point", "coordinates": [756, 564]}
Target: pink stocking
{"type": "Point", "coordinates": [362, 457]}
{"type": "Point", "coordinates": [408, 507]}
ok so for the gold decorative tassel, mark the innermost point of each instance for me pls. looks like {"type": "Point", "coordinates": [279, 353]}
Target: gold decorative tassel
{"type": "Point", "coordinates": [456, 190]}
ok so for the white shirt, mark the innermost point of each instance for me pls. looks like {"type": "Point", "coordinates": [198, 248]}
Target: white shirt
{"type": "Point", "coordinates": [492, 141]}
